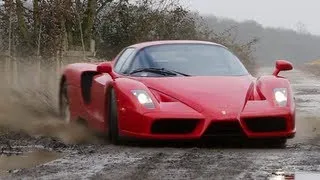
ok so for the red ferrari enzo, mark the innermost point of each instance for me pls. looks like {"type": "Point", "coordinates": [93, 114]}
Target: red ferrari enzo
{"type": "Point", "coordinates": [182, 90]}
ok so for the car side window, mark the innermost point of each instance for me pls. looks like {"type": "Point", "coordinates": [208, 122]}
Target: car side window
{"type": "Point", "coordinates": [126, 65]}
{"type": "Point", "coordinates": [122, 59]}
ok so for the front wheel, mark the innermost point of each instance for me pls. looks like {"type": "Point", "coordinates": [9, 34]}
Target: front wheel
{"type": "Point", "coordinates": [113, 119]}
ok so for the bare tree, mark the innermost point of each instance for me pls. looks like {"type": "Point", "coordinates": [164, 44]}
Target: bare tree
{"type": "Point", "coordinates": [80, 28]}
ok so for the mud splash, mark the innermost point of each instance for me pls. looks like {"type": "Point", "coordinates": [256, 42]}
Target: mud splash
{"type": "Point", "coordinates": [31, 112]}
{"type": "Point", "coordinates": [308, 128]}
{"type": "Point", "coordinates": [32, 108]}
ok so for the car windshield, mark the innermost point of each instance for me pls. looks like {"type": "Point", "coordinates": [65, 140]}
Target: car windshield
{"type": "Point", "coordinates": [190, 59]}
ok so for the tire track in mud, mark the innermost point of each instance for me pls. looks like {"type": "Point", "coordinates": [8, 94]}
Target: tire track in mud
{"type": "Point", "coordinates": [146, 165]}
{"type": "Point", "coordinates": [232, 164]}
{"type": "Point", "coordinates": [138, 169]}
{"type": "Point", "coordinates": [181, 163]}
{"type": "Point", "coordinates": [211, 163]}
{"type": "Point", "coordinates": [190, 160]}
{"type": "Point", "coordinates": [153, 163]}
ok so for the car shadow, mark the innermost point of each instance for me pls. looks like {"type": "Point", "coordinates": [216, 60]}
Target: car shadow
{"type": "Point", "coordinates": [203, 144]}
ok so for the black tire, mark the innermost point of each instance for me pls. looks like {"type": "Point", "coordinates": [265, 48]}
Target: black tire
{"type": "Point", "coordinates": [276, 143]}
{"type": "Point", "coordinates": [280, 143]}
{"type": "Point", "coordinates": [64, 104]}
{"type": "Point", "coordinates": [113, 118]}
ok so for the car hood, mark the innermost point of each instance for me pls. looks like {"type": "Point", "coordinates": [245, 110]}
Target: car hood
{"type": "Point", "coordinates": [220, 94]}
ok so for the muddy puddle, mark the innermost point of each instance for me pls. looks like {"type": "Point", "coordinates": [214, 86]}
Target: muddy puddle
{"type": "Point", "coordinates": [11, 162]}
{"type": "Point", "coordinates": [295, 176]}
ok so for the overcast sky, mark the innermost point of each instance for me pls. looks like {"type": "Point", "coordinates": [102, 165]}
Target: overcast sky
{"type": "Point", "coordinates": [274, 13]}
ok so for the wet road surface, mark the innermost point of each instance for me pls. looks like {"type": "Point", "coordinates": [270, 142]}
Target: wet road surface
{"type": "Point", "coordinates": [300, 159]}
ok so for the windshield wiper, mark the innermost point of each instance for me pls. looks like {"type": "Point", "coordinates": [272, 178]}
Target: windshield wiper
{"type": "Point", "coordinates": [162, 71]}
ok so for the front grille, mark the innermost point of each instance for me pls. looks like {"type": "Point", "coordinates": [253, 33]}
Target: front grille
{"type": "Point", "coordinates": [224, 128]}
{"type": "Point", "coordinates": [174, 126]}
{"type": "Point", "coordinates": [266, 124]}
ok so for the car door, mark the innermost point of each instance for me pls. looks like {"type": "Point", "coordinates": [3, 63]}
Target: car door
{"type": "Point", "coordinates": [97, 107]}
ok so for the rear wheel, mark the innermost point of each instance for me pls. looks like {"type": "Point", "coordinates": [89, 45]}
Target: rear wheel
{"type": "Point", "coordinates": [64, 104]}
{"type": "Point", "coordinates": [113, 118]}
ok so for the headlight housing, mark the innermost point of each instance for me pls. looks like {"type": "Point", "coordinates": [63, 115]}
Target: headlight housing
{"type": "Point", "coordinates": [281, 96]}
{"type": "Point", "coordinates": [144, 98]}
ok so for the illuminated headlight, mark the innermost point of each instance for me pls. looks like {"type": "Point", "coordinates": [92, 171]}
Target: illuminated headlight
{"type": "Point", "coordinates": [143, 98]}
{"type": "Point", "coordinates": [280, 95]}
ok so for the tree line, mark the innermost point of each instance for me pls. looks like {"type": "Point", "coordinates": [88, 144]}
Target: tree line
{"type": "Point", "coordinates": [48, 28]}
{"type": "Point", "coordinates": [299, 46]}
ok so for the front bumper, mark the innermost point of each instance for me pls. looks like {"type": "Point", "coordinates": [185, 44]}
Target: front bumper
{"type": "Point", "coordinates": [257, 120]}
{"type": "Point", "coordinates": [260, 119]}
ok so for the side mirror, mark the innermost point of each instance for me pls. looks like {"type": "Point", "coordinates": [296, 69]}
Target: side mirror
{"type": "Point", "coordinates": [104, 67]}
{"type": "Point", "coordinates": [282, 65]}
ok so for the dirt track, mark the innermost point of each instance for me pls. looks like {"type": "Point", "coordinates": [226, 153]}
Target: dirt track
{"type": "Point", "coordinates": [175, 161]}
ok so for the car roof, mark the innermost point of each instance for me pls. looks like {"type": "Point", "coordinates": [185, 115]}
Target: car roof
{"type": "Point", "coordinates": [162, 42]}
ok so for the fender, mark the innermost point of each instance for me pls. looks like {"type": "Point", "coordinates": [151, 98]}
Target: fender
{"type": "Point", "coordinates": [266, 84]}
{"type": "Point", "coordinates": [72, 72]}
{"type": "Point", "coordinates": [126, 99]}
{"type": "Point", "coordinates": [71, 75]}
{"type": "Point", "coordinates": [128, 105]}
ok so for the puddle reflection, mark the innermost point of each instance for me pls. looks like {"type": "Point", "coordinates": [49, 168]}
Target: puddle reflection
{"type": "Point", "coordinates": [295, 176]}
{"type": "Point", "coordinates": [26, 160]}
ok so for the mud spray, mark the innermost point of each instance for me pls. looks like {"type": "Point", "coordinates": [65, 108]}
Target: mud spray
{"type": "Point", "coordinates": [28, 113]}
{"type": "Point", "coordinates": [29, 103]}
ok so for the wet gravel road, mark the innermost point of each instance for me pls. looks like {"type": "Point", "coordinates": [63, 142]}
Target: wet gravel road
{"type": "Point", "coordinates": [193, 161]}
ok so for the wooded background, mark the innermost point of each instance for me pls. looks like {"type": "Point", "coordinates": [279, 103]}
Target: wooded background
{"type": "Point", "coordinates": [49, 28]}
{"type": "Point", "coordinates": [52, 28]}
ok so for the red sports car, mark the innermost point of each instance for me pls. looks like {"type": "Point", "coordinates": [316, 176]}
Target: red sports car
{"type": "Point", "coordinates": [178, 89]}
